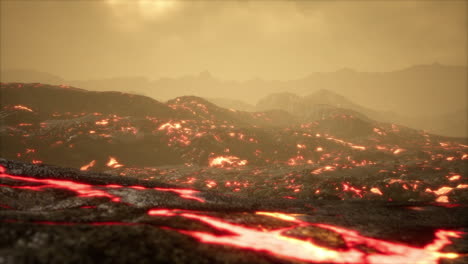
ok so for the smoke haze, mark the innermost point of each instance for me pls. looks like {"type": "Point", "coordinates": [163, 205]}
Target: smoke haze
{"type": "Point", "coordinates": [234, 40]}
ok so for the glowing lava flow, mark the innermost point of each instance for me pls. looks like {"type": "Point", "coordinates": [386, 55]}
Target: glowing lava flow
{"type": "Point", "coordinates": [113, 163]}
{"type": "Point", "coordinates": [82, 189]}
{"type": "Point", "coordinates": [22, 107]}
{"type": "Point", "coordinates": [87, 166]}
{"type": "Point", "coordinates": [170, 126]}
{"type": "Point", "coordinates": [443, 191]}
{"type": "Point", "coordinates": [276, 243]}
{"type": "Point", "coordinates": [87, 190]}
{"type": "Point", "coordinates": [183, 193]}
{"type": "Point", "coordinates": [226, 161]}
{"type": "Point", "coordinates": [376, 191]}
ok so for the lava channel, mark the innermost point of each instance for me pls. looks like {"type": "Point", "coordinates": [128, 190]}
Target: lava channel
{"type": "Point", "coordinates": [87, 190]}
{"type": "Point", "coordinates": [274, 242]}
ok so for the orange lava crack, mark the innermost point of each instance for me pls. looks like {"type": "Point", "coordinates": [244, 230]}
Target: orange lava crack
{"type": "Point", "coordinates": [274, 242]}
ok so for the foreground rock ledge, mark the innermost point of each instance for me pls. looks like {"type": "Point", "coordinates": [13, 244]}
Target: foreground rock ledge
{"type": "Point", "coordinates": [59, 215]}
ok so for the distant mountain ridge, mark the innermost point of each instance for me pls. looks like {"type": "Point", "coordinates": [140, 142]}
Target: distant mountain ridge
{"type": "Point", "coordinates": [312, 105]}
{"type": "Point", "coordinates": [407, 96]}
{"type": "Point", "coordinates": [29, 76]}
{"type": "Point", "coordinates": [324, 102]}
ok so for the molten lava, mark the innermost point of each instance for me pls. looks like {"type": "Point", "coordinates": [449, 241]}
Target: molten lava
{"type": "Point", "coordinates": [376, 191]}
{"type": "Point", "coordinates": [226, 161]}
{"type": "Point", "coordinates": [82, 189]}
{"type": "Point", "coordinates": [87, 166]}
{"type": "Point", "coordinates": [183, 193]}
{"type": "Point", "coordinates": [113, 163]}
{"type": "Point", "coordinates": [22, 107]}
{"type": "Point", "coordinates": [277, 243]}
{"type": "Point", "coordinates": [87, 190]}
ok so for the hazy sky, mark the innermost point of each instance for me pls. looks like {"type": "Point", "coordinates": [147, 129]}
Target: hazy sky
{"type": "Point", "coordinates": [232, 39]}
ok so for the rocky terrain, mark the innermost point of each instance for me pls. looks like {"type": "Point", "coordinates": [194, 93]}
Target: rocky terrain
{"type": "Point", "coordinates": [55, 215]}
{"type": "Point", "coordinates": [114, 177]}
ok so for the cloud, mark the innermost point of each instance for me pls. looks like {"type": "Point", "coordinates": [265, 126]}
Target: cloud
{"type": "Point", "coordinates": [233, 39]}
{"type": "Point", "coordinates": [132, 14]}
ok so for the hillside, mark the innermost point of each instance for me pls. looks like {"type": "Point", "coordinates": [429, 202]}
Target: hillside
{"type": "Point", "coordinates": [71, 127]}
{"type": "Point", "coordinates": [81, 168]}
{"type": "Point", "coordinates": [50, 99]}
{"type": "Point", "coordinates": [315, 105]}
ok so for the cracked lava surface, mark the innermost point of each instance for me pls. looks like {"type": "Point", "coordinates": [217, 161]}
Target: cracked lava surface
{"type": "Point", "coordinates": [210, 218]}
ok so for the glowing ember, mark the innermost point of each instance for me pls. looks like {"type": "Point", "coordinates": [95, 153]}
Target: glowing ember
{"type": "Point", "coordinates": [169, 126]}
{"type": "Point", "coordinates": [325, 168]}
{"type": "Point", "coordinates": [285, 217]}
{"type": "Point", "coordinates": [398, 151]}
{"type": "Point", "coordinates": [358, 147]}
{"type": "Point", "coordinates": [379, 131]}
{"type": "Point", "coordinates": [102, 122]}
{"type": "Point", "coordinates": [276, 243]}
{"type": "Point", "coordinates": [161, 212]}
{"type": "Point", "coordinates": [226, 161]}
{"type": "Point", "coordinates": [295, 160]}
{"type": "Point", "coordinates": [211, 184]}
{"type": "Point", "coordinates": [87, 166]}
{"type": "Point", "coordinates": [348, 188]}
{"type": "Point", "coordinates": [342, 142]}
{"type": "Point", "coordinates": [376, 191]}
{"type": "Point", "coordinates": [442, 199]}
{"type": "Point", "coordinates": [30, 150]}
{"type": "Point", "coordinates": [454, 178]}
{"type": "Point", "coordinates": [113, 163]}
{"type": "Point", "coordinates": [24, 124]}
{"type": "Point", "coordinates": [443, 190]}
{"type": "Point", "coordinates": [183, 193]}
{"type": "Point", "coordinates": [22, 107]}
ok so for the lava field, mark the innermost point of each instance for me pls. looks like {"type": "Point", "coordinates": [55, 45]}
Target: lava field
{"type": "Point", "coordinates": [113, 177]}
